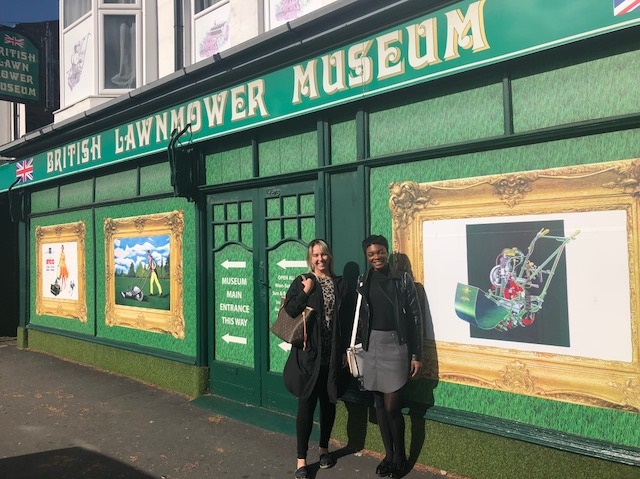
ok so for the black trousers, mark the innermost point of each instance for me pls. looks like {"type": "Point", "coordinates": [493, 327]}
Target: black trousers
{"type": "Point", "coordinates": [306, 409]}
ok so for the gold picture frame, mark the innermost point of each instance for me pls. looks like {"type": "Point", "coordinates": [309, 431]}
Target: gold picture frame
{"type": "Point", "coordinates": [427, 215]}
{"type": "Point", "coordinates": [170, 321]}
{"type": "Point", "coordinates": [50, 241]}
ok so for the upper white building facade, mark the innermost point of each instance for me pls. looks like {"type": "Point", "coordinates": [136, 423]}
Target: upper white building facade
{"type": "Point", "coordinates": [110, 47]}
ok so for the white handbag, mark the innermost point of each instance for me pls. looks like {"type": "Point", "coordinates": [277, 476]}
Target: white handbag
{"type": "Point", "coordinates": [355, 351]}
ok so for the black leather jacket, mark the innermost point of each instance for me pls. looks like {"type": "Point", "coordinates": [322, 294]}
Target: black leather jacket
{"type": "Point", "coordinates": [407, 312]}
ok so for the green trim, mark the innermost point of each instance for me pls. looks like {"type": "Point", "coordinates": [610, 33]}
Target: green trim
{"type": "Point", "coordinates": [22, 338]}
{"type": "Point", "coordinates": [472, 453]}
{"type": "Point", "coordinates": [183, 378]}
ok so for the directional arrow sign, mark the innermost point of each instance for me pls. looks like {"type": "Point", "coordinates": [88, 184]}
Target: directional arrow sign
{"type": "Point", "coordinates": [234, 339]}
{"type": "Point", "coordinates": [284, 346]}
{"type": "Point", "coordinates": [234, 264]}
{"type": "Point", "coordinates": [285, 263]}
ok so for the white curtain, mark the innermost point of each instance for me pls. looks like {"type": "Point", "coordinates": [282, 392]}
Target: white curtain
{"type": "Point", "coordinates": [120, 51]}
{"type": "Point", "coordinates": [74, 9]}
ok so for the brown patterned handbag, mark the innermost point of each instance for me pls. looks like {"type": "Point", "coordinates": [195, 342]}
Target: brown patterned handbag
{"type": "Point", "coordinates": [292, 330]}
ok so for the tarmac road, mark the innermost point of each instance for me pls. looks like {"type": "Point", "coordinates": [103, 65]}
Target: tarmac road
{"type": "Point", "coordinates": [62, 420]}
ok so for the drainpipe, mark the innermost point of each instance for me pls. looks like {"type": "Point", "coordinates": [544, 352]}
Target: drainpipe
{"type": "Point", "coordinates": [178, 28]}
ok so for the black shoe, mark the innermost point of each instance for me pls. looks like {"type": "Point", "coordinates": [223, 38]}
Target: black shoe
{"type": "Point", "coordinates": [326, 461]}
{"type": "Point", "coordinates": [396, 471]}
{"type": "Point", "coordinates": [383, 468]}
{"type": "Point", "coordinates": [301, 473]}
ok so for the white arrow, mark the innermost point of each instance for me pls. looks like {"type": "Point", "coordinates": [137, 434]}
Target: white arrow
{"type": "Point", "coordinates": [284, 264]}
{"type": "Point", "coordinates": [234, 264]}
{"type": "Point", "coordinates": [227, 338]}
{"type": "Point", "coordinates": [284, 346]}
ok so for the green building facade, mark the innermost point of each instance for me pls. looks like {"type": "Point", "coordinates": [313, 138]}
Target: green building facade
{"type": "Point", "coordinates": [414, 124]}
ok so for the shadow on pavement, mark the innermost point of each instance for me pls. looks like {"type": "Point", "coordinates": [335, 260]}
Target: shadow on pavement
{"type": "Point", "coordinates": [70, 463]}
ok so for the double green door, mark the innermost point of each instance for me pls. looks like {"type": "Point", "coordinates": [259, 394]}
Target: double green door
{"type": "Point", "coordinates": [257, 243]}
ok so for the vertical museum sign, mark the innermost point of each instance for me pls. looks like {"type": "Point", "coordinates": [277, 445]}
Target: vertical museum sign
{"type": "Point", "coordinates": [19, 68]}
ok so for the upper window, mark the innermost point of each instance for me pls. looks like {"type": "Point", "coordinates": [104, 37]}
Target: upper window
{"type": "Point", "coordinates": [120, 51]}
{"type": "Point", "coordinates": [73, 10]}
{"type": "Point", "coordinates": [203, 4]}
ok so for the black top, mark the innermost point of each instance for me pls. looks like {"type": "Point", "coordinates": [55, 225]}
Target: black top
{"type": "Point", "coordinates": [381, 298]}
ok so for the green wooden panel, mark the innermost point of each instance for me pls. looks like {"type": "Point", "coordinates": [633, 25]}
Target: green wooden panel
{"type": "Point", "coordinates": [582, 420]}
{"type": "Point", "coordinates": [117, 186]}
{"type": "Point", "coordinates": [54, 322]}
{"type": "Point", "coordinates": [227, 166]}
{"type": "Point", "coordinates": [290, 154]}
{"type": "Point", "coordinates": [76, 194]}
{"type": "Point", "coordinates": [155, 179]}
{"type": "Point", "coordinates": [463, 116]}
{"type": "Point", "coordinates": [45, 200]}
{"type": "Point", "coordinates": [164, 342]}
{"type": "Point", "coordinates": [596, 89]}
{"type": "Point", "coordinates": [343, 142]}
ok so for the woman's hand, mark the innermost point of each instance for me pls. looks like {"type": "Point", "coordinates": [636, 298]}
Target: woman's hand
{"type": "Point", "coordinates": [415, 367]}
{"type": "Point", "coordinates": [308, 284]}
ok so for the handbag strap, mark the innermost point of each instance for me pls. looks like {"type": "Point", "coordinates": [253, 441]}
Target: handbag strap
{"type": "Point", "coordinates": [356, 320]}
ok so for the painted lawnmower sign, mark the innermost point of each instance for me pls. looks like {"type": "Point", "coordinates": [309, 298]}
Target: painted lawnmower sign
{"type": "Point", "coordinates": [511, 301]}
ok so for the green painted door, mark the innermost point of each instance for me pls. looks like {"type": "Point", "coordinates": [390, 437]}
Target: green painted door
{"type": "Point", "coordinates": [257, 245]}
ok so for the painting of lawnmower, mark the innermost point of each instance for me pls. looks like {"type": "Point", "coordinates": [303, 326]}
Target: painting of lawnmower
{"type": "Point", "coordinates": [518, 287]}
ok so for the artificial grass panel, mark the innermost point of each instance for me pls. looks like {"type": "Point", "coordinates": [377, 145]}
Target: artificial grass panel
{"type": "Point", "coordinates": [471, 453]}
{"type": "Point", "coordinates": [172, 375]}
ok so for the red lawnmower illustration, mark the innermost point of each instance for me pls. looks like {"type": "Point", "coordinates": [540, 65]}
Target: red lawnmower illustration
{"type": "Point", "coordinates": [518, 288]}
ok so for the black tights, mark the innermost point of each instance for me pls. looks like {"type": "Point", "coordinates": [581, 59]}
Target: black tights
{"type": "Point", "coordinates": [391, 424]}
{"type": "Point", "coordinates": [306, 409]}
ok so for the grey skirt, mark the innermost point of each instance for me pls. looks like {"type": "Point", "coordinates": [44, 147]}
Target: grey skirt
{"type": "Point", "coordinates": [386, 364]}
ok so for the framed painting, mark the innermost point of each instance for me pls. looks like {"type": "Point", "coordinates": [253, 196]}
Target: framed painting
{"type": "Point", "coordinates": [143, 276]}
{"type": "Point", "coordinates": [60, 271]}
{"type": "Point", "coordinates": [531, 279]}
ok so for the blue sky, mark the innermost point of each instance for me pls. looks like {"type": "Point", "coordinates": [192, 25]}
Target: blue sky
{"type": "Point", "coordinates": [27, 11]}
{"type": "Point", "coordinates": [134, 250]}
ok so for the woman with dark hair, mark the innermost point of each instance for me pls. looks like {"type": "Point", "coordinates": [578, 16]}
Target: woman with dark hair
{"type": "Point", "coordinates": [317, 373]}
{"type": "Point", "coordinates": [391, 332]}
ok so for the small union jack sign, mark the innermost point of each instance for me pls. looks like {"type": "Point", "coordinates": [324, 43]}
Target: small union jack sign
{"type": "Point", "coordinates": [24, 170]}
{"type": "Point", "coordinates": [620, 7]}
{"type": "Point", "coordinates": [15, 41]}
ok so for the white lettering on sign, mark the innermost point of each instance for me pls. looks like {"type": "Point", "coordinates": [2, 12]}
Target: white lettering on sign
{"type": "Point", "coordinates": [236, 308]}
{"type": "Point", "coordinates": [234, 281]}
{"type": "Point", "coordinates": [244, 101]}
{"type": "Point", "coordinates": [234, 294]}
{"type": "Point", "coordinates": [465, 31]}
{"type": "Point", "coordinates": [75, 154]}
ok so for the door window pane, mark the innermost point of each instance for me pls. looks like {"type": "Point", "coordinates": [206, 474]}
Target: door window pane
{"type": "Point", "coordinates": [119, 51]}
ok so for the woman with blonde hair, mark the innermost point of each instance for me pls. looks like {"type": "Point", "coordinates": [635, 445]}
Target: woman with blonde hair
{"type": "Point", "coordinates": [317, 373]}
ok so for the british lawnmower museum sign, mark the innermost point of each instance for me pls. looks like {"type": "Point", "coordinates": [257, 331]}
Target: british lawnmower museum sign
{"type": "Point", "coordinates": [19, 68]}
{"type": "Point", "coordinates": [465, 36]}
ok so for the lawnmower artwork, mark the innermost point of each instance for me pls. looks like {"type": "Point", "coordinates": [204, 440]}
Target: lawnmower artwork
{"type": "Point", "coordinates": [518, 288]}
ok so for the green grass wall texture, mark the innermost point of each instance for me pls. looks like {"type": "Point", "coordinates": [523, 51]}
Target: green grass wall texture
{"type": "Point", "coordinates": [166, 342]}
{"type": "Point", "coordinates": [229, 166]}
{"type": "Point", "coordinates": [586, 91]}
{"type": "Point", "coordinates": [65, 324]}
{"type": "Point", "coordinates": [607, 425]}
{"type": "Point", "coordinates": [462, 116]}
{"type": "Point", "coordinates": [473, 454]}
{"type": "Point", "coordinates": [288, 155]}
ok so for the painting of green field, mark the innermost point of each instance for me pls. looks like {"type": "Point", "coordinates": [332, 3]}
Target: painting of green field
{"type": "Point", "coordinates": [136, 292]}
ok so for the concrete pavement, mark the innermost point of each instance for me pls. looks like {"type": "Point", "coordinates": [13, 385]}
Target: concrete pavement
{"type": "Point", "coordinates": [64, 420]}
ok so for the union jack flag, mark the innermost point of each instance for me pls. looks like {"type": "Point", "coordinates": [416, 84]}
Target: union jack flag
{"type": "Point", "coordinates": [15, 41]}
{"type": "Point", "coordinates": [620, 7]}
{"type": "Point", "coordinates": [24, 170]}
